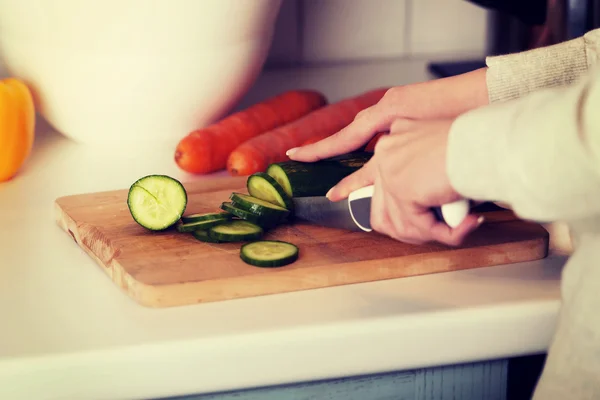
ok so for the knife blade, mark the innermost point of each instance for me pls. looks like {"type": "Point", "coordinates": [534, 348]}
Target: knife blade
{"type": "Point", "coordinates": [354, 213]}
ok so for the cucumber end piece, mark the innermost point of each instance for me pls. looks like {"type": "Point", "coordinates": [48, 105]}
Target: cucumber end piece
{"type": "Point", "coordinates": [157, 202]}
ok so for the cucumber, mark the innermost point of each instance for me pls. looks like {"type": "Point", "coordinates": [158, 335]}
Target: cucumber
{"type": "Point", "coordinates": [235, 231]}
{"type": "Point", "coordinates": [266, 222]}
{"type": "Point", "coordinates": [156, 202]}
{"type": "Point", "coordinates": [205, 216]}
{"type": "Point", "coordinates": [265, 187]}
{"type": "Point", "coordinates": [302, 179]}
{"type": "Point", "coordinates": [203, 236]}
{"type": "Point", "coordinates": [240, 213]}
{"type": "Point", "coordinates": [258, 206]}
{"type": "Point", "coordinates": [202, 225]}
{"type": "Point", "coordinates": [269, 253]}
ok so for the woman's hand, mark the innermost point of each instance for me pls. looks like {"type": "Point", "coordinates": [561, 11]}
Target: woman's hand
{"type": "Point", "coordinates": [436, 99]}
{"type": "Point", "coordinates": [408, 171]}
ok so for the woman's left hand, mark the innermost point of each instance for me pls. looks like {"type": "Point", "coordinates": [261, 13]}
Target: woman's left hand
{"type": "Point", "coordinates": [408, 171]}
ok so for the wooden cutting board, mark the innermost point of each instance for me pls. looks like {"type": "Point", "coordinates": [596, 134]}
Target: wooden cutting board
{"type": "Point", "coordinates": [170, 268]}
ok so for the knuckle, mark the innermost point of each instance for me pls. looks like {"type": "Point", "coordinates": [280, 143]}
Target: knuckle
{"type": "Point", "coordinates": [391, 92]}
{"type": "Point", "coordinates": [363, 114]}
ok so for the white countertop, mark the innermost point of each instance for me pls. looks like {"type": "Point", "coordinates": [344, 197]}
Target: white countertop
{"type": "Point", "coordinates": [67, 332]}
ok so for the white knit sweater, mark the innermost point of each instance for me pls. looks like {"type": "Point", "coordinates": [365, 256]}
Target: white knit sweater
{"type": "Point", "coordinates": [536, 147]}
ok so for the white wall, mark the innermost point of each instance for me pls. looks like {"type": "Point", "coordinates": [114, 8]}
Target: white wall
{"type": "Point", "coordinates": [326, 31]}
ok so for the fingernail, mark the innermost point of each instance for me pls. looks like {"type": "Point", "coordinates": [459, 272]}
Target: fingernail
{"type": "Point", "coordinates": [291, 151]}
{"type": "Point", "coordinates": [480, 220]}
{"type": "Point", "coordinates": [328, 194]}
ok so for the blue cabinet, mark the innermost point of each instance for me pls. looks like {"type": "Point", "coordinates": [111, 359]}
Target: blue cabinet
{"type": "Point", "coordinates": [476, 381]}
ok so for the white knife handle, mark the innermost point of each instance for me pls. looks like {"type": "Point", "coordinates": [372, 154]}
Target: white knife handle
{"type": "Point", "coordinates": [453, 214]}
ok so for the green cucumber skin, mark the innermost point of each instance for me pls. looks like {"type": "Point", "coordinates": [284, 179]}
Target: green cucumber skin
{"type": "Point", "coordinates": [227, 237]}
{"type": "Point", "coordinates": [203, 236]}
{"type": "Point", "coordinates": [265, 223]}
{"type": "Point", "coordinates": [186, 219]}
{"type": "Point", "coordinates": [316, 178]}
{"type": "Point", "coordinates": [240, 213]}
{"type": "Point", "coordinates": [257, 209]}
{"type": "Point", "coordinates": [193, 226]}
{"type": "Point", "coordinates": [272, 263]}
{"type": "Point", "coordinates": [175, 219]}
{"type": "Point", "coordinates": [288, 202]}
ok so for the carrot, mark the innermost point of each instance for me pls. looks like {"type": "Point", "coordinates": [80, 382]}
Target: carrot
{"type": "Point", "coordinates": [370, 147]}
{"type": "Point", "coordinates": [315, 140]}
{"type": "Point", "coordinates": [206, 150]}
{"type": "Point", "coordinates": [256, 154]}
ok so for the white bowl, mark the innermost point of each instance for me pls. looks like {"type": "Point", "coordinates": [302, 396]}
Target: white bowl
{"type": "Point", "coordinates": [135, 72]}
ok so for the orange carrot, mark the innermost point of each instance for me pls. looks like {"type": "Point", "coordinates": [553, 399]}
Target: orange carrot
{"type": "Point", "coordinates": [370, 147]}
{"type": "Point", "coordinates": [206, 150]}
{"type": "Point", "coordinates": [256, 154]}
{"type": "Point", "coordinates": [315, 140]}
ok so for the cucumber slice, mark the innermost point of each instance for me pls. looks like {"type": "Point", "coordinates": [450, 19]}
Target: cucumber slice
{"type": "Point", "coordinates": [157, 202]}
{"type": "Point", "coordinates": [235, 231]}
{"type": "Point", "coordinates": [265, 222]}
{"type": "Point", "coordinates": [204, 224]}
{"type": "Point", "coordinates": [269, 253]}
{"type": "Point", "coordinates": [205, 217]}
{"type": "Point", "coordinates": [265, 187]}
{"type": "Point", "coordinates": [258, 206]}
{"type": "Point", "coordinates": [277, 172]}
{"type": "Point", "coordinates": [203, 236]}
{"type": "Point", "coordinates": [238, 212]}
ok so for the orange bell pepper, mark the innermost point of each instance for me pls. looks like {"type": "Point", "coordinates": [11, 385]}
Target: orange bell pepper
{"type": "Point", "coordinates": [17, 125]}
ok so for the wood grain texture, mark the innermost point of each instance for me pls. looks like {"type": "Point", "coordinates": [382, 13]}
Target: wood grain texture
{"type": "Point", "coordinates": [170, 268]}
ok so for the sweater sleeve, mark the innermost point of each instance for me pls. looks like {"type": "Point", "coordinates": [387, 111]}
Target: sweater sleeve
{"type": "Point", "coordinates": [515, 75]}
{"type": "Point", "coordinates": [540, 154]}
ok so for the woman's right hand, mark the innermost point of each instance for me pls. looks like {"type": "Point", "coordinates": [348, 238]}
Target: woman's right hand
{"type": "Point", "coordinates": [436, 99]}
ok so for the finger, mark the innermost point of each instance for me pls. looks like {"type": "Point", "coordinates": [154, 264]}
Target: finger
{"type": "Point", "coordinates": [401, 124]}
{"type": "Point", "coordinates": [359, 179]}
{"type": "Point", "coordinates": [366, 124]}
{"type": "Point", "coordinates": [403, 226]}
{"type": "Point", "coordinates": [454, 237]}
{"type": "Point", "coordinates": [417, 225]}
{"type": "Point", "coordinates": [379, 214]}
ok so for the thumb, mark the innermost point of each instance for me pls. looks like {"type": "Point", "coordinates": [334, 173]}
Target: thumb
{"type": "Point", "coordinates": [359, 179]}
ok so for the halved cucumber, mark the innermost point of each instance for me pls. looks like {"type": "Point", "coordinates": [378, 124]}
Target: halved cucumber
{"type": "Point", "coordinates": [269, 253]}
{"type": "Point", "coordinates": [205, 217]}
{"type": "Point", "coordinates": [265, 187]}
{"type": "Point", "coordinates": [258, 206]}
{"type": "Point", "coordinates": [203, 236]}
{"type": "Point", "coordinates": [156, 202]}
{"type": "Point", "coordinates": [203, 224]}
{"type": "Point", "coordinates": [235, 231]}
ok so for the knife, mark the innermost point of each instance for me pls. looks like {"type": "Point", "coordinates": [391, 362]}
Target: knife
{"type": "Point", "coordinates": [354, 213]}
